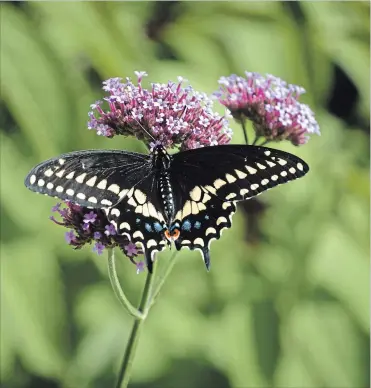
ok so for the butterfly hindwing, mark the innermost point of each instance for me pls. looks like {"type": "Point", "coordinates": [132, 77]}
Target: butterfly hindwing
{"type": "Point", "coordinates": [137, 216]}
{"type": "Point", "coordinates": [89, 178]}
{"type": "Point", "coordinates": [235, 172]}
{"type": "Point", "coordinates": [199, 225]}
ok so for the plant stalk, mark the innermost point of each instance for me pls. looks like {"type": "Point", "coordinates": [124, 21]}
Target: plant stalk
{"type": "Point", "coordinates": [112, 273]}
{"type": "Point", "coordinates": [244, 131]}
{"type": "Point", "coordinates": [127, 361]}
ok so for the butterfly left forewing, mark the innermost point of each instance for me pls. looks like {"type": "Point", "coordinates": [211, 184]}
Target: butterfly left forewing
{"type": "Point", "coordinates": [91, 178]}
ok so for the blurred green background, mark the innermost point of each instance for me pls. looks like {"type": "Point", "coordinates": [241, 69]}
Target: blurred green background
{"type": "Point", "coordinates": [287, 301]}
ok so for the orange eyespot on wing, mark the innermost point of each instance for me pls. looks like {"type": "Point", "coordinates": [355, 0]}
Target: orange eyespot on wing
{"type": "Point", "coordinates": [176, 234]}
{"type": "Point", "coordinates": [172, 236]}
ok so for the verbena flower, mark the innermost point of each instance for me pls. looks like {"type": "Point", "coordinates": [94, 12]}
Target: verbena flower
{"type": "Point", "coordinates": [141, 266]}
{"type": "Point", "coordinates": [174, 115]}
{"type": "Point", "coordinates": [88, 226]}
{"type": "Point", "coordinates": [271, 104]}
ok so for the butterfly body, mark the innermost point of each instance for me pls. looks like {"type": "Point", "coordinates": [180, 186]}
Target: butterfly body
{"type": "Point", "coordinates": [187, 198]}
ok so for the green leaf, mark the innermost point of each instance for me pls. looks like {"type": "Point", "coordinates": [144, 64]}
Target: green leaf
{"type": "Point", "coordinates": [341, 267]}
{"type": "Point", "coordinates": [32, 306]}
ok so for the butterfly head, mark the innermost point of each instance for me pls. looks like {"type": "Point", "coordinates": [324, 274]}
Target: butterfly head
{"type": "Point", "coordinates": [161, 159]}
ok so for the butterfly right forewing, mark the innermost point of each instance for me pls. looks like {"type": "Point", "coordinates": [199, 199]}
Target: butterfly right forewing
{"type": "Point", "coordinates": [235, 172]}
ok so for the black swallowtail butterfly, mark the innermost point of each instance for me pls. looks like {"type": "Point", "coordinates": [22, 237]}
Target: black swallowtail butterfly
{"type": "Point", "coordinates": [186, 198]}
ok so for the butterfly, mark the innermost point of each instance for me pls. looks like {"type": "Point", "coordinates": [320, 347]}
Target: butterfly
{"type": "Point", "coordinates": [186, 198]}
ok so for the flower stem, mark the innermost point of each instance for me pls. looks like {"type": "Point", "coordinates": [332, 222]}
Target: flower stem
{"type": "Point", "coordinates": [161, 280]}
{"type": "Point", "coordinates": [256, 140]}
{"type": "Point", "coordinates": [112, 273]}
{"type": "Point", "coordinates": [244, 132]}
{"type": "Point", "coordinates": [127, 361]}
{"type": "Point", "coordinates": [264, 143]}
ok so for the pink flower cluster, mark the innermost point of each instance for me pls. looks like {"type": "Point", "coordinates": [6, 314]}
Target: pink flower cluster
{"type": "Point", "coordinates": [168, 113]}
{"type": "Point", "coordinates": [88, 226]}
{"type": "Point", "coordinates": [271, 104]}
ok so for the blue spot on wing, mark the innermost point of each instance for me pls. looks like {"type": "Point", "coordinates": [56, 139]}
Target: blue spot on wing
{"type": "Point", "coordinates": [197, 224]}
{"type": "Point", "coordinates": [148, 227]}
{"type": "Point", "coordinates": [186, 225]}
{"type": "Point", "coordinates": [157, 226]}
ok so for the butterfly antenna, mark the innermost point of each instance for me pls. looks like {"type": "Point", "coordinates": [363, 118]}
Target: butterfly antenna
{"type": "Point", "coordinates": [144, 129]}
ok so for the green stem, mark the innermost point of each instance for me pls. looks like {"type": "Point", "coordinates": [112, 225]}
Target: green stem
{"type": "Point", "coordinates": [244, 131]}
{"type": "Point", "coordinates": [256, 140]}
{"type": "Point", "coordinates": [162, 280]}
{"type": "Point", "coordinates": [112, 273]}
{"type": "Point", "coordinates": [264, 143]}
{"type": "Point", "coordinates": [127, 361]}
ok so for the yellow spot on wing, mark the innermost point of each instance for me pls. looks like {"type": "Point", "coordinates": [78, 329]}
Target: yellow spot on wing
{"type": "Point", "coordinates": [140, 197]}
{"type": "Point", "coordinates": [219, 183]}
{"type": "Point", "coordinates": [114, 188]}
{"type": "Point", "coordinates": [231, 195]}
{"type": "Point", "coordinates": [230, 178]}
{"type": "Point", "coordinates": [49, 172]}
{"type": "Point", "coordinates": [194, 207]}
{"type": "Point", "coordinates": [80, 178]}
{"type": "Point", "coordinates": [210, 189]}
{"type": "Point", "coordinates": [210, 230]}
{"type": "Point", "coordinates": [196, 193]}
{"type": "Point", "coordinates": [201, 206]}
{"type": "Point", "coordinates": [139, 209]}
{"type": "Point", "coordinates": [124, 225]}
{"type": "Point", "coordinates": [60, 173]}
{"type": "Point", "coordinates": [139, 234]}
{"type": "Point", "coordinates": [251, 170]}
{"type": "Point", "coordinates": [102, 184]}
{"type": "Point", "coordinates": [199, 241]}
{"type": "Point", "coordinates": [91, 181]}
{"type": "Point", "coordinates": [240, 174]}
{"type": "Point", "coordinates": [132, 202]}
{"type": "Point", "coordinates": [70, 175]}
{"type": "Point", "coordinates": [187, 209]}
{"type": "Point", "coordinates": [221, 220]}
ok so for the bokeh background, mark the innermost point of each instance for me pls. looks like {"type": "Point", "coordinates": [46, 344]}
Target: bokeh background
{"type": "Point", "coordinates": [287, 301]}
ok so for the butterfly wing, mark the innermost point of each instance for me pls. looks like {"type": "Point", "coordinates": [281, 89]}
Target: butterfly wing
{"type": "Point", "coordinates": [235, 172]}
{"type": "Point", "coordinates": [122, 183]}
{"type": "Point", "coordinates": [138, 216]}
{"type": "Point", "coordinates": [199, 228]}
{"type": "Point", "coordinates": [208, 181]}
{"type": "Point", "coordinates": [89, 178]}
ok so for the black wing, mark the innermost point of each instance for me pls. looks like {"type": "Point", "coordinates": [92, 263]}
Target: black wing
{"type": "Point", "coordinates": [208, 181]}
{"type": "Point", "coordinates": [199, 226]}
{"type": "Point", "coordinates": [235, 172]}
{"type": "Point", "coordinates": [91, 178]}
{"type": "Point", "coordinates": [122, 183]}
{"type": "Point", "coordinates": [138, 216]}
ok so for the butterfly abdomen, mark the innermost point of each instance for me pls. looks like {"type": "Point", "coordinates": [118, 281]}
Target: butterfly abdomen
{"type": "Point", "coordinates": [166, 195]}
